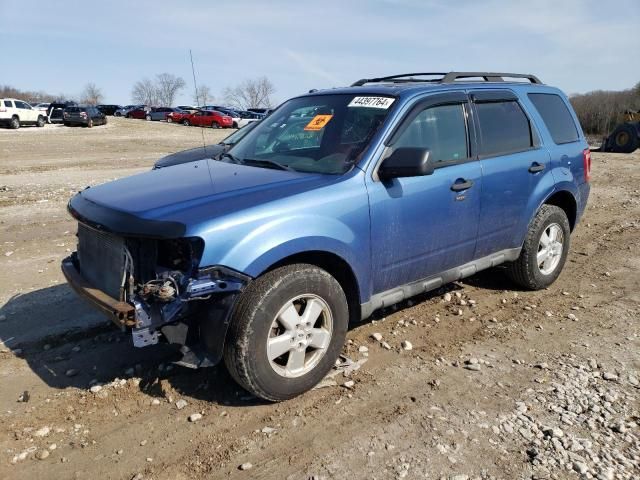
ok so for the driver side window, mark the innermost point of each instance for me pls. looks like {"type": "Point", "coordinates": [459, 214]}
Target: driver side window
{"type": "Point", "coordinates": [441, 129]}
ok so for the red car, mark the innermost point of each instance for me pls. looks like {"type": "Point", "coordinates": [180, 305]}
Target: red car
{"type": "Point", "coordinates": [139, 113]}
{"type": "Point", "coordinates": [177, 117]}
{"type": "Point", "coordinates": [208, 118]}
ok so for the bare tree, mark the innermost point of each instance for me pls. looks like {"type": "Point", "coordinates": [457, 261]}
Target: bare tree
{"type": "Point", "coordinates": [600, 111]}
{"type": "Point", "coordinates": [168, 86]}
{"type": "Point", "coordinates": [254, 93]}
{"type": "Point", "coordinates": [145, 92]}
{"type": "Point", "coordinates": [91, 94]}
{"type": "Point", "coordinates": [203, 95]}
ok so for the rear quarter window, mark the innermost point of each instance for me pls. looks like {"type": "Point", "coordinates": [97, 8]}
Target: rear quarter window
{"type": "Point", "coordinates": [8, 103]}
{"type": "Point", "coordinates": [556, 116]}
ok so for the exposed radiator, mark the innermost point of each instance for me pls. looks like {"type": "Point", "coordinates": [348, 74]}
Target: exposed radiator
{"type": "Point", "coordinates": [101, 258]}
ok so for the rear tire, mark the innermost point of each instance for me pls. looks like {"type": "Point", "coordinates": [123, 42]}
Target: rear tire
{"type": "Point", "coordinates": [215, 125]}
{"type": "Point", "coordinates": [169, 120]}
{"type": "Point", "coordinates": [544, 251]}
{"type": "Point", "coordinates": [287, 331]}
{"type": "Point", "coordinates": [148, 118]}
{"type": "Point", "coordinates": [41, 121]}
{"type": "Point", "coordinates": [186, 123]}
{"type": "Point", "coordinates": [624, 139]}
{"type": "Point", "coordinates": [90, 123]}
{"type": "Point", "coordinates": [15, 123]}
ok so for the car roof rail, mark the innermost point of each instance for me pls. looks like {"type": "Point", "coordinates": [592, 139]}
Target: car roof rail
{"type": "Point", "coordinates": [449, 77]}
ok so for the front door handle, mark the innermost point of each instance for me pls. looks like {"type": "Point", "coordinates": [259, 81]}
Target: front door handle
{"type": "Point", "coordinates": [461, 185]}
{"type": "Point", "coordinates": [536, 167]}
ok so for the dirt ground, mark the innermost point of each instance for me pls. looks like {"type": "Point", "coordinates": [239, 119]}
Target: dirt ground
{"type": "Point", "coordinates": [500, 383]}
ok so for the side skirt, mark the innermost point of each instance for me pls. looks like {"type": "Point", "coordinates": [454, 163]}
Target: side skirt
{"type": "Point", "coordinates": [398, 294]}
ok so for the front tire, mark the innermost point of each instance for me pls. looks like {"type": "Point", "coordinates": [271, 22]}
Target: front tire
{"type": "Point", "coordinates": [544, 251]}
{"type": "Point", "coordinates": [148, 118]}
{"type": "Point", "coordinates": [186, 123]}
{"type": "Point", "coordinates": [215, 125]}
{"type": "Point", "coordinates": [287, 331]}
{"type": "Point", "coordinates": [41, 121]}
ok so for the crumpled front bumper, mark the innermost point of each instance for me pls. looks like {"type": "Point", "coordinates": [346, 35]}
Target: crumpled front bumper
{"type": "Point", "coordinates": [200, 337]}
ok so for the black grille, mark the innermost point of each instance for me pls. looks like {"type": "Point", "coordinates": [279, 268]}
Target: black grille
{"type": "Point", "coordinates": [101, 258]}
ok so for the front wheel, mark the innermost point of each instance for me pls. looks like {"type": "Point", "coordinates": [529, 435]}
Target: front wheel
{"type": "Point", "coordinates": [90, 123]}
{"type": "Point", "coordinates": [186, 123]}
{"type": "Point", "coordinates": [287, 331]}
{"type": "Point", "coordinates": [41, 121]}
{"type": "Point", "coordinates": [148, 118]}
{"type": "Point", "coordinates": [169, 120]}
{"type": "Point", "coordinates": [544, 251]}
{"type": "Point", "coordinates": [215, 125]}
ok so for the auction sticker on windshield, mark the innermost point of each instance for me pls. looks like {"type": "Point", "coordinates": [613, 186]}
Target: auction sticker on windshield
{"type": "Point", "coordinates": [372, 102]}
{"type": "Point", "coordinates": [318, 122]}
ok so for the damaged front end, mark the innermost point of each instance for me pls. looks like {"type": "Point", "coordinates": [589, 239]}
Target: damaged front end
{"type": "Point", "coordinates": [154, 287]}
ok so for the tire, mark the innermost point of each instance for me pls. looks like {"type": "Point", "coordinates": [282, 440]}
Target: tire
{"type": "Point", "coordinates": [527, 271]}
{"type": "Point", "coordinates": [186, 123]}
{"type": "Point", "coordinates": [148, 118]}
{"type": "Point", "coordinates": [41, 121]}
{"type": "Point", "coordinates": [15, 123]}
{"type": "Point", "coordinates": [90, 123]}
{"type": "Point", "coordinates": [235, 125]}
{"type": "Point", "coordinates": [215, 125]}
{"type": "Point", "coordinates": [105, 121]}
{"type": "Point", "coordinates": [169, 120]}
{"type": "Point", "coordinates": [117, 114]}
{"type": "Point", "coordinates": [269, 297]}
{"type": "Point", "coordinates": [624, 139]}
{"type": "Point", "coordinates": [66, 124]}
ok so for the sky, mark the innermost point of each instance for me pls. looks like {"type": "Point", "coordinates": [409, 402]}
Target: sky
{"type": "Point", "coordinates": [59, 46]}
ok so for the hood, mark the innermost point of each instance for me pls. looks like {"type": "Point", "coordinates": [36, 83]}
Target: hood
{"type": "Point", "coordinates": [164, 202]}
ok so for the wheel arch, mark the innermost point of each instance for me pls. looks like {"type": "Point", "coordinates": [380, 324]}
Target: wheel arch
{"type": "Point", "coordinates": [565, 200]}
{"type": "Point", "coordinates": [336, 266]}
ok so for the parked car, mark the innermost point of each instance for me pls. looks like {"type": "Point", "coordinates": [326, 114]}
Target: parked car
{"type": "Point", "coordinates": [85, 115]}
{"type": "Point", "coordinates": [139, 112]}
{"type": "Point", "coordinates": [41, 107]}
{"type": "Point", "coordinates": [208, 118]}
{"type": "Point", "coordinates": [178, 116]}
{"type": "Point", "coordinates": [55, 111]}
{"type": "Point", "coordinates": [398, 185]}
{"type": "Point", "coordinates": [261, 111]}
{"type": "Point", "coordinates": [124, 110]}
{"type": "Point", "coordinates": [161, 113]}
{"type": "Point", "coordinates": [207, 151]}
{"type": "Point", "coordinates": [15, 113]}
{"type": "Point", "coordinates": [109, 109]}
{"type": "Point", "coordinates": [189, 108]}
{"type": "Point", "coordinates": [236, 120]}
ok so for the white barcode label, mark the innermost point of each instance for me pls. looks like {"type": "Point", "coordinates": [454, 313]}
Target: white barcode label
{"type": "Point", "coordinates": [372, 102]}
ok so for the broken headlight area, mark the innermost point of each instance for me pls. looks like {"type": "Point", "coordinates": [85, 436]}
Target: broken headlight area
{"type": "Point", "coordinates": [155, 287]}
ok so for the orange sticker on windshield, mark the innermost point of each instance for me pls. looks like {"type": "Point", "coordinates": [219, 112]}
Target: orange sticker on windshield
{"type": "Point", "coordinates": [318, 122]}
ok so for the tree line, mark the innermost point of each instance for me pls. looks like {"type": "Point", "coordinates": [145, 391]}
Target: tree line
{"type": "Point", "coordinates": [162, 90]}
{"type": "Point", "coordinates": [600, 111]}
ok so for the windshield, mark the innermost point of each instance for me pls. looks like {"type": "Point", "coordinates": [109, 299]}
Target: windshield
{"type": "Point", "coordinates": [316, 134]}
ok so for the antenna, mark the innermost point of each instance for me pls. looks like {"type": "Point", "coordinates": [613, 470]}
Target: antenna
{"type": "Point", "coordinates": [195, 86]}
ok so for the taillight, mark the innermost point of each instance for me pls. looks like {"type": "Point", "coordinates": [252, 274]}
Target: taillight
{"type": "Point", "coordinates": [3, 109]}
{"type": "Point", "coordinates": [586, 160]}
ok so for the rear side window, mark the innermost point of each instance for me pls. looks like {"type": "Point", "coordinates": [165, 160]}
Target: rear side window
{"type": "Point", "coordinates": [504, 128]}
{"type": "Point", "coordinates": [556, 117]}
{"type": "Point", "coordinates": [8, 104]}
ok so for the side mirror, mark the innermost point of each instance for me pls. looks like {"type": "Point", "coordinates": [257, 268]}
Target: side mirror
{"type": "Point", "coordinates": [406, 162]}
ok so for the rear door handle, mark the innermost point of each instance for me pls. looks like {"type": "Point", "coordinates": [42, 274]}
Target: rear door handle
{"type": "Point", "coordinates": [461, 185]}
{"type": "Point", "coordinates": [536, 167]}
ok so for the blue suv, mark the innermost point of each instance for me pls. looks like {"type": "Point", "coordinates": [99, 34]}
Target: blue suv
{"type": "Point", "coordinates": [340, 202]}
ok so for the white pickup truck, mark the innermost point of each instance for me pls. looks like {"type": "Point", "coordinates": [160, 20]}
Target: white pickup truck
{"type": "Point", "coordinates": [15, 113]}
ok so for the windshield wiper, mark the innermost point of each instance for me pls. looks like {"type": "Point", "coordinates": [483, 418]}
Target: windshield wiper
{"type": "Point", "coordinates": [271, 163]}
{"type": "Point", "coordinates": [231, 157]}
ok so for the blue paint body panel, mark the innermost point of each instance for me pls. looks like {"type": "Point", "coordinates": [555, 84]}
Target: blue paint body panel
{"type": "Point", "coordinates": [390, 233]}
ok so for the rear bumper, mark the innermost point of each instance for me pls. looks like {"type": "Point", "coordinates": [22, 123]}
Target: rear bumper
{"type": "Point", "coordinates": [120, 313]}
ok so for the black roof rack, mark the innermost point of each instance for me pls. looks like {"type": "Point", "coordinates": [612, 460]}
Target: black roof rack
{"type": "Point", "coordinates": [450, 77]}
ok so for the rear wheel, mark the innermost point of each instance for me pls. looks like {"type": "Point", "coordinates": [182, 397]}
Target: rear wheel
{"type": "Point", "coordinates": [90, 123]}
{"type": "Point", "coordinates": [544, 251]}
{"type": "Point", "coordinates": [186, 123]}
{"type": "Point", "coordinates": [148, 118]}
{"type": "Point", "coordinates": [287, 331]}
{"type": "Point", "coordinates": [624, 139]}
{"type": "Point", "coordinates": [169, 120]}
{"type": "Point", "coordinates": [215, 125]}
{"type": "Point", "coordinates": [15, 122]}
{"type": "Point", "coordinates": [41, 121]}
